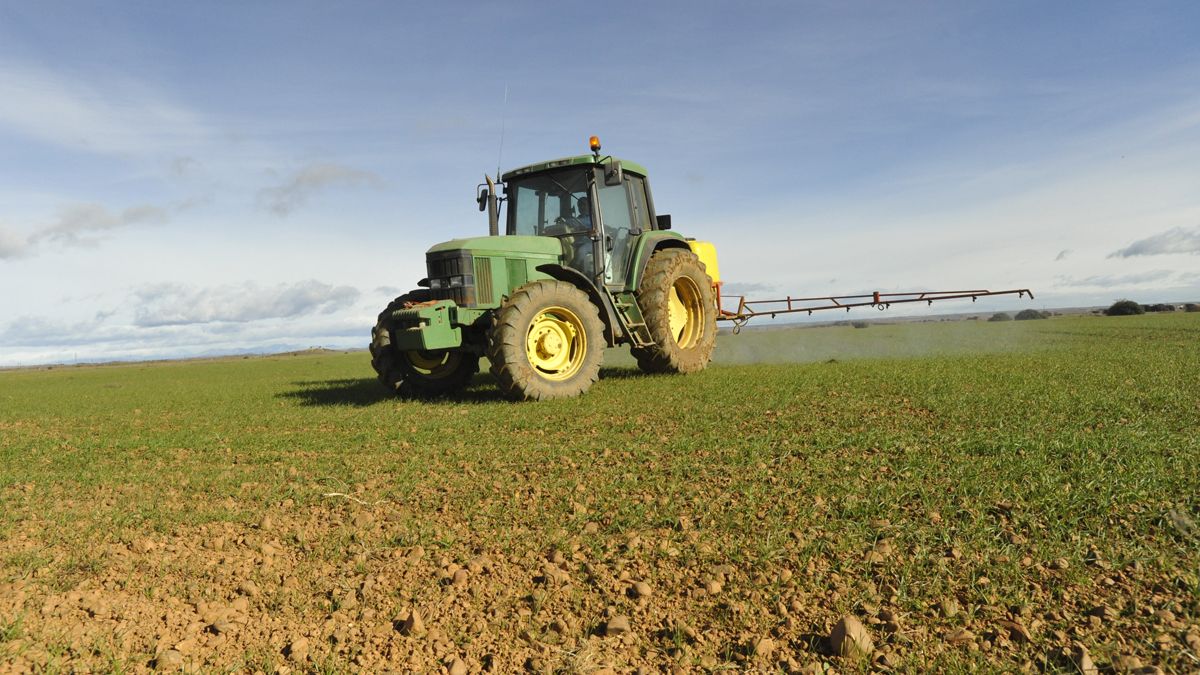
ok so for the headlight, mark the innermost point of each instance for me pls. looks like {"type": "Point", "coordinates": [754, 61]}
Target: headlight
{"type": "Point", "coordinates": [437, 283]}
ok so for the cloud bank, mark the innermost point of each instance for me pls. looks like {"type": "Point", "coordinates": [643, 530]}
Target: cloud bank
{"type": "Point", "coordinates": [177, 305]}
{"type": "Point", "coordinates": [1175, 240]}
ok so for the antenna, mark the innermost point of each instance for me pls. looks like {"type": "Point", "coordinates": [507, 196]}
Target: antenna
{"type": "Point", "coordinates": [503, 115]}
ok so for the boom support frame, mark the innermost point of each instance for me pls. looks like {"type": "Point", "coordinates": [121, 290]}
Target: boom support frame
{"type": "Point", "coordinates": [749, 309]}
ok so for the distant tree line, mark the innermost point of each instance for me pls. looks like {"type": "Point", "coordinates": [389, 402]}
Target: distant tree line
{"type": "Point", "coordinates": [1023, 315]}
{"type": "Point", "coordinates": [1130, 308]}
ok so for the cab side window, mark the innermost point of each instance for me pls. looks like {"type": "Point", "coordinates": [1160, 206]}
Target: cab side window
{"type": "Point", "coordinates": [641, 212]}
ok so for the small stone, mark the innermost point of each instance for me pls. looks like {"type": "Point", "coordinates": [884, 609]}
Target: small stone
{"type": "Point", "coordinates": [1126, 664]}
{"type": "Point", "coordinates": [240, 605]}
{"type": "Point", "coordinates": [849, 638]}
{"type": "Point", "coordinates": [1193, 641]}
{"type": "Point", "coordinates": [617, 625]}
{"type": "Point", "coordinates": [712, 587]}
{"type": "Point", "coordinates": [591, 528]}
{"type": "Point", "coordinates": [948, 607]}
{"type": "Point", "coordinates": [169, 660]}
{"type": "Point", "coordinates": [1083, 661]}
{"type": "Point", "coordinates": [266, 523]}
{"type": "Point", "coordinates": [459, 578]}
{"type": "Point", "coordinates": [221, 626]}
{"type": "Point", "coordinates": [248, 589]}
{"type": "Point", "coordinates": [960, 636]}
{"type": "Point", "coordinates": [1016, 630]}
{"type": "Point", "coordinates": [764, 647]}
{"type": "Point", "coordinates": [1060, 564]}
{"type": "Point", "coordinates": [457, 666]}
{"type": "Point", "coordinates": [413, 625]}
{"type": "Point", "coordinates": [642, 589]}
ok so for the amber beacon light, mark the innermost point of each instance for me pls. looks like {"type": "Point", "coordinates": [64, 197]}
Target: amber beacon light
{"type": "Point", "coordinates": [594, 143]}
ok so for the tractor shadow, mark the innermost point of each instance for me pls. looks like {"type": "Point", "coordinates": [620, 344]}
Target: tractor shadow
{"type": "Point", "coordinates": [362, 392]}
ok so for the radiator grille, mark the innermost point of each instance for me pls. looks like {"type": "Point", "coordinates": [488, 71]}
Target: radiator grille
{"type": "Point", "coordinates": [483, 279]}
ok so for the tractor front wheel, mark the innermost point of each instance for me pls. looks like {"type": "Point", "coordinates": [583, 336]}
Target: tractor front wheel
{"type": "Point", "coordinates": [680, 310]}
{"type": "Point", "coordinates": [546, 342]}
{"type": "Point", "coordinates": [417, 373]}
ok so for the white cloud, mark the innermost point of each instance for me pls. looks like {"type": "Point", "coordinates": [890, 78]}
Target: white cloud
{"type": "Point", "coordinates": [308, 180]}
{"type": "Point", "coordinates": [75, 223]}
{"type": "Point", "coordinates": [175, 304]}
{"type": "Point", "coordinates": [1175, 240]}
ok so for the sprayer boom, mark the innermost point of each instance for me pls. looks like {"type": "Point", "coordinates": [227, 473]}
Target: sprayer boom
{"type": "Point", "coordinates": [748, 309]}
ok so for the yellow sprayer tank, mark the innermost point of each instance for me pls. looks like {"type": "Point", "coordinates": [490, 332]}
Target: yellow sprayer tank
{"type": "Point", "coordinates": [707, 253]}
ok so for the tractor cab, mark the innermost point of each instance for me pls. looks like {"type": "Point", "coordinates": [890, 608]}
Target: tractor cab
{"type": "Point", "coordinates": [596, 207]}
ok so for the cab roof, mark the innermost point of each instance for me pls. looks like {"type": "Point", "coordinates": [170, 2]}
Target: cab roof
{"type": "Point", "coordinates": [626, 165]}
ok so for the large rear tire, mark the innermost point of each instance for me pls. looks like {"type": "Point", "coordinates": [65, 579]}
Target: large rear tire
{"type": "Point", "coordinates": [680, 310]}
{"type": "Point", "coordinates": [417, 373]}
{"type": "Point", "coordinates": [547, 341]}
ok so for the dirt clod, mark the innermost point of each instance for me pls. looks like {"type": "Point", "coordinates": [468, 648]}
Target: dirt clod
{"type": "Point", "coordinates": [764, 647]}
{"type": "Point", "coordinates": [617, 625]}
{"type": "Point", "coordinates": [642, 589]}
{"type": "Point", "coordinates": [297, 649]}
{"type": "Point", "coordinates": [169, 661]}
{"type": "Point", "coordinates": [457, 666]}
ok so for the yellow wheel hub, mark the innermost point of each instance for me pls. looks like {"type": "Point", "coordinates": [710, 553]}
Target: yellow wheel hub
{"type": "Point", "coordinates": [556, 343]}
{"type": "Point", "coordinates": [433, 365]}
{"type": "Point", "coordinates": [685, 311]}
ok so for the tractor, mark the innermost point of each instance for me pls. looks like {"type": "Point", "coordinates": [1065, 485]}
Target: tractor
{"type": "Point", "coordinates": [585, 263]}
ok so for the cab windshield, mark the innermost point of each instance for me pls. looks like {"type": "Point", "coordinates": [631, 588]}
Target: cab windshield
{"type": "Point", "coordinates": [553, 203]}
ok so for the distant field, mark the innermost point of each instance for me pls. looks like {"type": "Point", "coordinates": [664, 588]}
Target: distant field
{"type": "Point", "coordinates": [982, 496]}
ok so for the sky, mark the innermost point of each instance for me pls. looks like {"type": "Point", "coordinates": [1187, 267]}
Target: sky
{"type": "Point", "coordinates": [182, 179]}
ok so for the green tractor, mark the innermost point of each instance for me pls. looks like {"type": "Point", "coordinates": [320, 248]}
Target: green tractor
{"type": "Point", "coordinates": [585, 263]}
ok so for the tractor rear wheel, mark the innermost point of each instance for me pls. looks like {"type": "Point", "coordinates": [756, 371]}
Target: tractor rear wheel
{"type": "Point", "coordinates": [417, 373]}
{"type": "Point", "coordinates": [546, 342]}
{"type": "Point", "coordinates": [680, 310]}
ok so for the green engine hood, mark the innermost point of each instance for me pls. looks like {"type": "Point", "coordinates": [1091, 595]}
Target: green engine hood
{"type": "Point", "coordinates": [510, 246]}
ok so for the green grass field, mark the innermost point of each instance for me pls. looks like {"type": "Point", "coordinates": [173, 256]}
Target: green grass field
{"type": "Point", "coordinates": [982, 496]}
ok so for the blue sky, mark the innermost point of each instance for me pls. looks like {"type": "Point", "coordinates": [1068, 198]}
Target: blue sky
{"type": "Point", "coordinates": [189, 178]}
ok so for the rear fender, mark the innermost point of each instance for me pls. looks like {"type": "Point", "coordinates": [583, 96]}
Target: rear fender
{"type": "Point", "coordinates": [645, 247]}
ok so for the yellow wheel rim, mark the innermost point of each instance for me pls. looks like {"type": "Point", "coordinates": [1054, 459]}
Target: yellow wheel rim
{"type": "Point", "coordinates": [556, 343]}
{"type": "Point", "coordinates": [685, 311]}
{"type": "Point", "coordinates": [433, 365]}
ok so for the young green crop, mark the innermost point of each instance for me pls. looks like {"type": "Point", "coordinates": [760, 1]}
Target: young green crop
{"type": "Point", "coordinates": [1038, 473]}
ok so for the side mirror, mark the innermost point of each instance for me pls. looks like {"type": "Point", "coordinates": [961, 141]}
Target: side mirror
{"type": "Point", "coordinates": [482, 199]}
{"type": "Point", "coordinates": [613, 174]}
{"type": "Point", "coordinates": [663, 221]}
